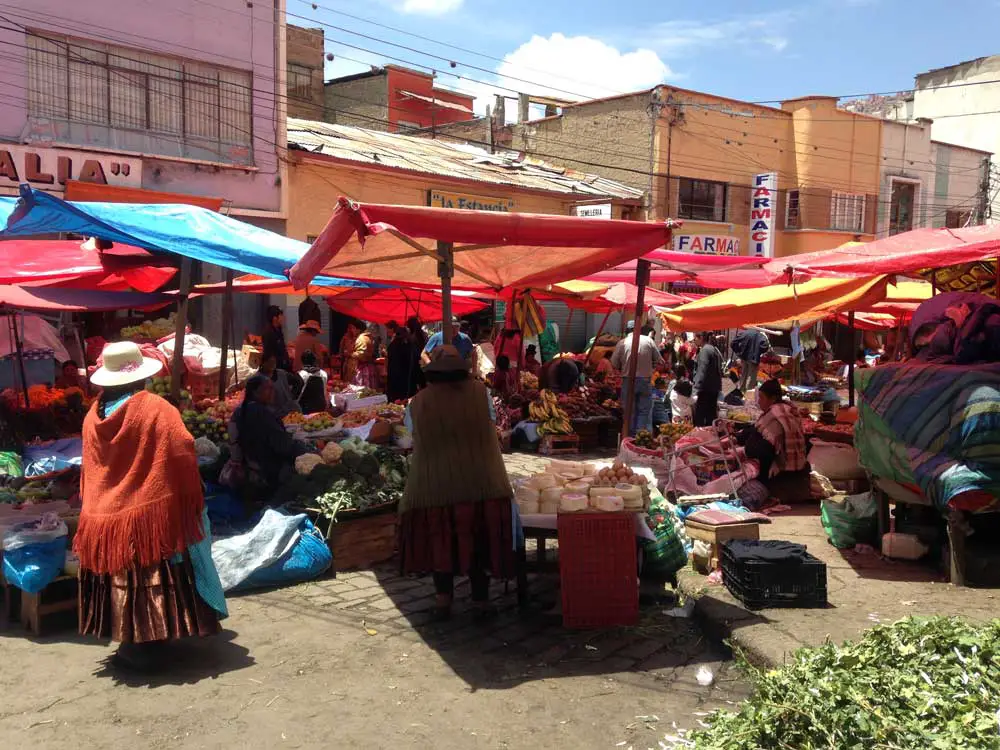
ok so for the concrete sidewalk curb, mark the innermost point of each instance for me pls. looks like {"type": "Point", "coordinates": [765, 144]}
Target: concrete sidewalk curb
{"type": "Point", "coordinates": [725, 620]}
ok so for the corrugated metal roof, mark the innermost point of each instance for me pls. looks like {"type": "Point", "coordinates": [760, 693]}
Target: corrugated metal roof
{"type": "Point", "coordinates": [450, 158]}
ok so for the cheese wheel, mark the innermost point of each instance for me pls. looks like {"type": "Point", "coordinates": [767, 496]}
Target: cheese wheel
{"type": "Point", "coordinates": [527, 507]}
{"type": "Point", "coordinates": [566, 477]}
{"type": "Point", "coordinates": [573, 502]}
{"type": "Point", "coordinates": [604, 491]}
{"type": "Point", "coordinates": [608, 503]}
{"type": "Point", "coordinates": [564, 467]}
{"type": "Point", "coordinates": [548, 508]}
{"type": "Point", "coordinates": [588, 470]}
{"type": "Point", "coordinates": [527, 494]}
{"type": "Point", "coordinates": [577, 487]}
{"type": "Point", "coordinates": [551, 495]}
{"type": "Point", "coordinates": [630, 493]}
{"type": "Point", "coordinates": [542, 481]}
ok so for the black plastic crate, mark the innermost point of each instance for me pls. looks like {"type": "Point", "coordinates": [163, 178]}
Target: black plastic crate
{"type": "Point", "coordinates": [761, 584]}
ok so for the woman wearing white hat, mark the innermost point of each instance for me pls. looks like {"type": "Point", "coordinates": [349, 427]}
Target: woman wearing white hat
{"type": "Point", "coordinates": [146, 572]}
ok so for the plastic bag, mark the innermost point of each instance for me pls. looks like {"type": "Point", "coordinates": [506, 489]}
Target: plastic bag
{"type": "Point", "coordinates": [307, 559]}
{"type": "Point", "coordinates": [34, 553]}
{"type": "Point", "coordinates": [850, 522]}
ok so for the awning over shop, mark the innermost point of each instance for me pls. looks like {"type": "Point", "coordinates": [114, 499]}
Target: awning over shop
{"type": "Point", "coordinates": [190, 231]}
{"type": "Point", "coordinates": [383, 305]}
{"type": "Point", "coordinates": [597, 298]}
{"type": "Point", "coordinates": [78, 300]}
{"type": "Point", "coordinates": [89, 192]}
{"type": "Point", "coordinates": [813, 299]}
{"type": "Point", "coordinates": [397, 245]}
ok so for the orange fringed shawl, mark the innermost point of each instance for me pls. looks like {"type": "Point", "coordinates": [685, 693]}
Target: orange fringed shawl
{"type": "Point", "coordinates": [141, 490]}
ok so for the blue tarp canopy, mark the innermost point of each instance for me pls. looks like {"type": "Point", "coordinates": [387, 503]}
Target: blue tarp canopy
{"type": "Point", "coordinates": [191, 231]}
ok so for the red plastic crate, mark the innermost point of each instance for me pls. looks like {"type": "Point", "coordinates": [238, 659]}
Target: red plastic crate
{"type": "Point", "coordinates": [597, 570]}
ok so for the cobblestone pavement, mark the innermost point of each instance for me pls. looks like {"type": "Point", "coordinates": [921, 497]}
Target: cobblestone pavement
{"type": "Point", "coordinates": [355, 662]}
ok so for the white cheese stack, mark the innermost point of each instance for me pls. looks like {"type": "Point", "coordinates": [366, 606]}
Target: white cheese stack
{"type": "Point", "coordinates": [570, 468]}
{"type": "Point", "coordinates": [541, 481]}
{"type": "Point", "coordinates": [577, 486]}
{"type": "Point", "coordinates": [631, 495]}
{"type": "Point", "coordinates": [607, 503]}
{"type": "Point", "coordinates": [573, 502]}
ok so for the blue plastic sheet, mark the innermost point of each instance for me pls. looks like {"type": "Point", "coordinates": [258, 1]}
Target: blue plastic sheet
{"type": "Point", "coordinates": [34, 566]}
{"type": "Point", "coordinates": [48, 458]}
{"type": "Point", "coordinates": [191, 231]}
{"type": "Point", "coordinates": [306, 560]}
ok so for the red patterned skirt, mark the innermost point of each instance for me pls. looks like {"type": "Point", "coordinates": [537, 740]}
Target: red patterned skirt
{"type": "Point", "coordinates": [453, 538]}
{"type": "Point", "coordinates": [157, 603]}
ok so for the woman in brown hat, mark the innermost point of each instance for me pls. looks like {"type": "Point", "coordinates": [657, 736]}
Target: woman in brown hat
{"type": "Point", "coordinates": [308, 341]}
{"type": "Point", "coordinates": [455, 515]}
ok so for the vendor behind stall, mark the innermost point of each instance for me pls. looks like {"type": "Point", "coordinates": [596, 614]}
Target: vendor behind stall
{"type": "Point", "coordinates": [69, 377]}
{"type": "Point", "coordinates": [531, 363]}
{"type": "Point", "coordinates": [365, 353]}
{"type": "Point", "coordinates": [778, 444]}
{"type": "Point", "coordinates": [307, 341]}
{"type": "Point", "coordinates": [267, 450]}
{"type": "Point", "coordinates": [349, 363]}
{"type": "Point", "coordinates": [314, 396]}
{"type": "Point", "coordinates": [273, 338]}
{"type": "Point", "coordinates": [286, 385]}
{"type": "Point", "coordinates": [560, 375]}
{"type": "Point", "coordinates": [505, 380]}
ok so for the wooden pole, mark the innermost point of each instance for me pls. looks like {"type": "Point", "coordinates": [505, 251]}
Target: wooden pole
{"type": "Point", "coordinates": [19, 349]}
{"type": "Point", "coordinates": [850, 362]}
{"type": "Point", "coordinates": [227, 317]}
{"type": "Point", "coordinates": [446, 270]}
{"type": "Point", "coordinates": [569, 324]}
{"type": "Point", "coordinates": [177, 366]}
{"type": "Point", "coordinates": [641, 280]}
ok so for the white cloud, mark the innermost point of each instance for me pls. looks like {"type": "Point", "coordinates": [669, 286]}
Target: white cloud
{"type": "Point", "coordinates": [680, 38]}
{"type": "Point", "coordinates": [430, 7]}
{"type": "Point", "coordinates": [574, 68]}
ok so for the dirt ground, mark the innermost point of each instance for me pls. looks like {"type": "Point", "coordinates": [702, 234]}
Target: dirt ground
{"type": "Point", "coordinates": [355, 662]}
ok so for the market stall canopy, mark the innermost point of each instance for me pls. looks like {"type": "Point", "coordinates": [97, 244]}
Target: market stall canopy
{"type": "Point", "coordinates": [79, 264]}
{"type": "Point", "coordinates": [492, 250]}
{"type": "Point", "coordinates": [253, 283]}
{"type": "Point", "coordinates": [57, 299]}
{"type": "Point", "coordinates": [739, 307]}
{"type": "Point", "coordinates": [906, 253]}
{"type": "Point", "coordinates": [190, 231]}
{"type": "Point", "coordinates": [594, 297]}
{"type": "Point", "coordinates": [383, 305]}
{"type": "Point", "coordinates": [712, 271]}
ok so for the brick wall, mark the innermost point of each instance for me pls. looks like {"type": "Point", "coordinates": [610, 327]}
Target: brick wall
{"type": "Point", "coordinates": [475, 131]}
{"type": "Point", "coordinates": [304, 47]}
{"type": "Point", "coordinates": [362, 102]}
{"type": "Point", "coordinates": [613, 132]}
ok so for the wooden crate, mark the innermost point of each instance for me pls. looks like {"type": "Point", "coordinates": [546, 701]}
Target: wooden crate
{"type": "Point", "coordinates": [716, 535]}
{"type": "Point", "coordinates": [588, 431]}
{"type": "Point", "coordinates": [558, 445]}
{"type": "Point", "coordinates": [362, 542]}
{"type": "Point", "coordinates": [54, 607]}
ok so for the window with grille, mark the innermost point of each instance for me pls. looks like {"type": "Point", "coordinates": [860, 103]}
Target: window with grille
{"type": "Point", "coordinates": [124, 89]}
{"type": "Point", "coordinates": [300, 81]}
{"type": "Point", "coordinates": [847, 211]}
{"type": "Point", "coordinates": [701, 200]}
{"type": "Point", "coordinates": [792, 210]}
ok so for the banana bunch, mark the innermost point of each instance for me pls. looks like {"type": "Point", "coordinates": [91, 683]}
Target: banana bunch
{"type": "Point", "coordinates": [551, 419]}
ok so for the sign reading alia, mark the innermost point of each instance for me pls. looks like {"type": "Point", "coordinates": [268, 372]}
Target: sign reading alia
{"type": "Point", "coordinates": [707, 244]}
{"type": "Point", "coordinates": [440, 199]}
{"type": "Point", "coordinates": [763, 209]}
{"type": "Point", "coordinates": [51, 168]}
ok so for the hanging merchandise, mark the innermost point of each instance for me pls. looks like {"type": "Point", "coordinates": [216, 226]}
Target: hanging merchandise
{"type": "Point", "coordinates": [526, 315]}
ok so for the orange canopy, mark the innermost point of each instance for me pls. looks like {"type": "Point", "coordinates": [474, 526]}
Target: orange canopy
{"type": "Point", "coordinates": [398, 245]}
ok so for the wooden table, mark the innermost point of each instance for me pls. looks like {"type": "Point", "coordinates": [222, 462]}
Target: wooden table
{"type": "Point", "coordinates": [716, 535]}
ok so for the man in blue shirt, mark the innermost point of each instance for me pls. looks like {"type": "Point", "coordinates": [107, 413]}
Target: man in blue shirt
{"type": "Point", "coordinates": [460, 340]}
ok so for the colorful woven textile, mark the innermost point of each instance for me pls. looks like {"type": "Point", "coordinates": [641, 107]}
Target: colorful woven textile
{"type": "Point", "coordinates": [933, 426]}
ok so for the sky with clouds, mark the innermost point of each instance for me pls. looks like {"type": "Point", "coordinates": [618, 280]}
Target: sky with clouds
{"type": "Point", "coordinates": [572, 49]}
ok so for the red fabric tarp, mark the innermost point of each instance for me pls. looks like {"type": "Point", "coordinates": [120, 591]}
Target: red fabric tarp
{"type": "Point", "coordinates": [905, 253]}
{"type": "Point", "coordinates": [394, 245]}
{"type": "Point", "coordinates": [383, 305]}
{"type": "Point", "coordinates": [59, 299]}
{"type": "Point", "coordinates": [71, 263]}
{"type": "Point", "coordinates": [615, 297]}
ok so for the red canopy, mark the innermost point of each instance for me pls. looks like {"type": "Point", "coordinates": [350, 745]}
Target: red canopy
{"type": "Point", "coordinates": [905, 253]}
{"type": "Point", "coordinates": [71, 263]}
{"type": "Point", "coordinates": [383, 305]}
{"type": "Point", "coordinates": [78, 300]}
{"type": "Point", "coordinates": [615, 297]}
{"type": "Point", "coordinates": [712, 271]}
{"type": "Point", "coordinates": [397, 245]}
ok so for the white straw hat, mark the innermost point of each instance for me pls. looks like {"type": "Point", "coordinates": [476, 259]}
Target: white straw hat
{"type": "Point", "coordinates": [124, 364]}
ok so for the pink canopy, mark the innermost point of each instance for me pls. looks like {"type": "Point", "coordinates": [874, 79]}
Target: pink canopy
{"type": "Point", "coordinates": [383, 305]}
{"type": "Point", "coordinates": [59, 299]}
{"type": "Point", "coordinates": [398, 245]}
{"type": "Point", "coordinates": [906, 253]}
{"type": "Point", "coordinates": [712, 271]}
